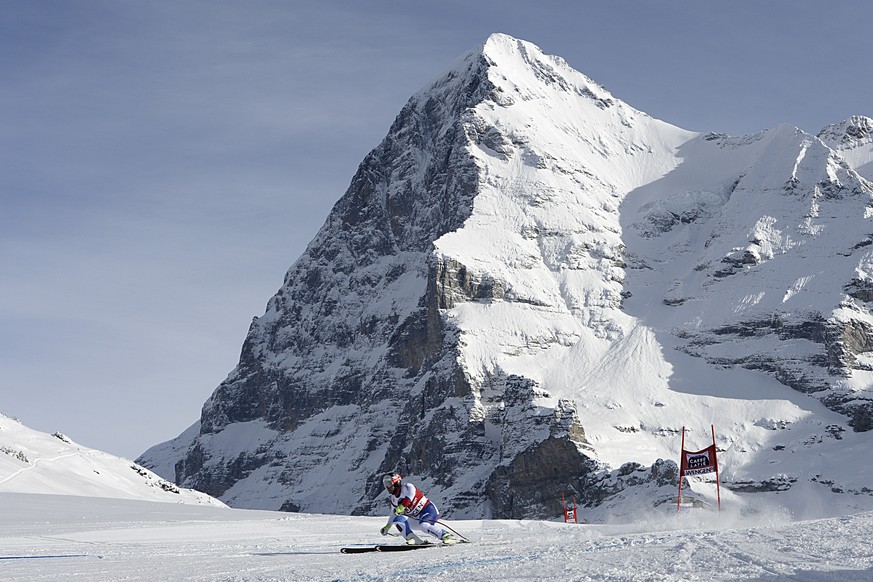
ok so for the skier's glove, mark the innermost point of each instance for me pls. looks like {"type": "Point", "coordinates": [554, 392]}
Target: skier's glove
{"type": "Point", "coordinates": [399, 510]}
{"type": "Point", "coordinates": [384, 530]}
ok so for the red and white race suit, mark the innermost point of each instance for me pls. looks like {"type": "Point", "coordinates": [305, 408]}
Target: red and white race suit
{"type": "Point", "coordinates": [410, 498]}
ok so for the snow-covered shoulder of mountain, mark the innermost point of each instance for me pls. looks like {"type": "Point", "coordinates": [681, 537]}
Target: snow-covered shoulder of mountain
{"type": "Point", "coordinates": [36, 462]}
{"type": "Point", "coordinates": [162, 457]}
{"type": "Point", "coordinates": [853, 140]}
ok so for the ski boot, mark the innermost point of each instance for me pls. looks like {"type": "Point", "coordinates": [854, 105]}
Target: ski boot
{"type": "Point", "coordinates": [414, 540]}
{"type": "Point", "coordinates": [450, 538]}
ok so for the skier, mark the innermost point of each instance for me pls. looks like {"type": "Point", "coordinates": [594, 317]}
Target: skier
{"type": "Point", "coordinates": [407, 500]}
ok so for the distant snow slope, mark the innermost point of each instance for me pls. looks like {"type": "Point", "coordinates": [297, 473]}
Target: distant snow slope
{"type": "Point", "coordinates": [36, 462]}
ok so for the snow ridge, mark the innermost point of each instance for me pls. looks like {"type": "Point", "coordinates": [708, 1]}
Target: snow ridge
{"type": "Point", "coordinates": [36, 462]}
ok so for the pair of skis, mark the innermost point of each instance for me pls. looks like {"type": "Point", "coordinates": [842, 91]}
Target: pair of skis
{"type": "Point", "coordinates": [397, 547]}
{"type": "Point", "coordinates": [386, 548]}
{"type": "Point", "coordinates": [402, 548]}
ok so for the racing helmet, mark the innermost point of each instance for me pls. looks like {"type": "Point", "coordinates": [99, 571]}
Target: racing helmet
{"type": "Point", "coordinates": [392, 480]}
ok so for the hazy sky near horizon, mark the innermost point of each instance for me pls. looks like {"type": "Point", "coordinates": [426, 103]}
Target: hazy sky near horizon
{"type": "Point", "coordinates": [163, 163]}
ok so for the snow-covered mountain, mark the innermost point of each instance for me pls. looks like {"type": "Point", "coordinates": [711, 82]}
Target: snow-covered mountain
{"type": "Point", "coordinates": [531, 287]}
{"type": "Point", "coordinates": [36, 462]}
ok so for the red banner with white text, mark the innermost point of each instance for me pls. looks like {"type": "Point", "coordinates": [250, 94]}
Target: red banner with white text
{"type": "Point", "coordinates": [699, 462]}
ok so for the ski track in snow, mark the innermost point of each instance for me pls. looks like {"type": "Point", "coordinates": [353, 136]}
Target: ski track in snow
{"type": "Point", "coordinates": [36, 463]}
{"type": "Point", "coordinates": [50, 537]}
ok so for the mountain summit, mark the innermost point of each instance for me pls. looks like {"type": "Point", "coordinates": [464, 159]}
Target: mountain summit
{"type": "Point", "coordinates": [531, 287]}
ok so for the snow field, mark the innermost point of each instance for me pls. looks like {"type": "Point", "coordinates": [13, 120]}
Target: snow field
{"type": "Point", "coordinates": [49, 537]}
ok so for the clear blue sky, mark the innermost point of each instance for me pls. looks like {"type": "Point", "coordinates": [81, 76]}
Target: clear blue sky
{"type": "Point", "coordinates": [163, 163]}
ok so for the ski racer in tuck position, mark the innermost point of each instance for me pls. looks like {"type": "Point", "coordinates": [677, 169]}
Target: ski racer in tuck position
{"type": "Point", "coordinates": [407, 500]}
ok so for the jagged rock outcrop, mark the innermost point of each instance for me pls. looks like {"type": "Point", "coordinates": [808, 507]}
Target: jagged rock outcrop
{"type": "Point", "coordinates": [530, 287]}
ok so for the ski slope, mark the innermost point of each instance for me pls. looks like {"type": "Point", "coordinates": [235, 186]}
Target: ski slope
{"type": "Point", "coordinates": [36, 462]}
{"type": "Point", "coordinates": [51, 537]}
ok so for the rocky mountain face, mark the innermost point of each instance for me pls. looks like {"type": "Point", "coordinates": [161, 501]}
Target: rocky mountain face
{"type": "Point", "coordinates": [530, 287]}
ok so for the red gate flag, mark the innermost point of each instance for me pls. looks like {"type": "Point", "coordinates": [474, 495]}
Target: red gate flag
{"type": "Point", "coordinates": [698, 463]}
{"type": "Point", "coordinates": [569, 510]}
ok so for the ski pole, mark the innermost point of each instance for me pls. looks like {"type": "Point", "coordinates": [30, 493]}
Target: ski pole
{"type": "Point", "coordinates": [445, 525]}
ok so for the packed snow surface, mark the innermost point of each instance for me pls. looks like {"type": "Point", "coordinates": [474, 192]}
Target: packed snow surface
{"type": "Point", "coordinates": [50, 537]}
